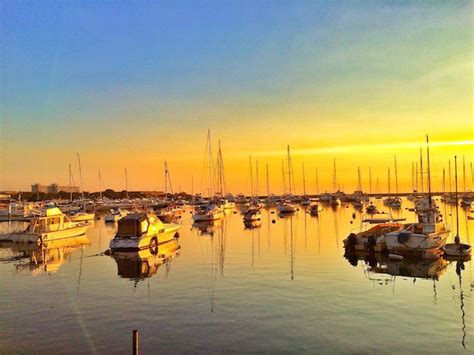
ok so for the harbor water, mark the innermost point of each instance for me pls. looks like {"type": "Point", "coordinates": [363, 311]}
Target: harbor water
{"type": "Point", "coordinates": [283, 285]}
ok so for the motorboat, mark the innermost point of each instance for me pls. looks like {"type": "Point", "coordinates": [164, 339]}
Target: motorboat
{"type": "Point", "coordinates": [210, 212]}
{"type": "Point", "coordinates": [52, 225]}
{"type": "Point", "coordinates": [138, 231]}
{"type": "Point", "coordinates": [422, 237]}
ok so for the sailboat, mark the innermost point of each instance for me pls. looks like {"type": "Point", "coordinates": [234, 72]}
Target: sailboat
{"type": "Point", "coordinates": [305, 201]}
{"type": "Point", "coordinates": [285, 206]}
{"type": "Point", "coordinates": [457, 248]}
{"type": "Point", "coordinates": [426, 236]}
{"type": "Point", "coordinates": [253, 212]}
{"type": "Point", "coordinates": [210, 211]}
{"type": "Point", "coordinates": [227, 203]}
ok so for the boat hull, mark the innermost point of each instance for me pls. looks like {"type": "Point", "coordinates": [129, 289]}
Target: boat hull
{"type": "Point", "coordinates": [47, 236]}
{"type": "Point", "coordinates": [144, 242]}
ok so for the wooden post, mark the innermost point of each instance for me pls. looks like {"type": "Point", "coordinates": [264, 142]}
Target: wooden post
{"type": "Point", "coordinates": [135, 342]}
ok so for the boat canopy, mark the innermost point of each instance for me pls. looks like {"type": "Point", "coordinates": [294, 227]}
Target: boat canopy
{"type": "Point", "coordinates": [53, 212]}
{"type": "Point", "coordinates": [133, 225]}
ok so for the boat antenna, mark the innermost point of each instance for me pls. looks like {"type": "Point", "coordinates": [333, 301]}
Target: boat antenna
{"type": "Point", "coordinates": [429, 172]}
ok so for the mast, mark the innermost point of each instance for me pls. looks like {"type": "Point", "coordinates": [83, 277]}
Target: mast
{"type": "Point", "coordinates": [256, 182]}
{"type": "Point", "coordinates": [166, 178]}
{"type": "Point", "coordinates": [70, 184]}
{"type": "Point", "coordinates": [377, 186]}
{"type": "Point", "coordinates": [334, 183]}
{"type": "Point", "coordinates": [304, 182]}
{"type": "Point", "coordinates": [463, 174]}
{"type": "Point", "coordinates": [456, 186]}
{"type": "Point", "coordinates": [100, 186]}
{"type": "Point", "coordinates": [412, 176]}
{"type": "Point", "coordinates": [421, 169]}
{"type": "Point", "coordinates": [396, 175]}
{"type": "Point", "coordinates": [126, 183]}
{"type": "Point", "coordinates": [450, 180]}
{"type": "Point", "coordinates": [251, 176]}
{"type": "Point", "coordinates": [429, 172]}
{"type": "Point", "coordinates": [416, 176]}
{"type": "Point", "coordinates": [210, 162]}
{"type": "Point", "coordinates": [289, 170]}
{"type": "Point", "coordinates": [283, 180]}
{"type": "Point", "coordinates": [268, 181]}
{"type": "Point", "coordinates": [223, 189]}
{"type": "Point", "coordinates": [80, 174]}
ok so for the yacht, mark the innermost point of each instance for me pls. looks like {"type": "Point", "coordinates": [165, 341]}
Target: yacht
{"type": "Point", "coordinates": [142, 230]}
{"type": "Point", "coordinates": [52, 225]}
{"type": "Point", "coordinates": [254, 213]}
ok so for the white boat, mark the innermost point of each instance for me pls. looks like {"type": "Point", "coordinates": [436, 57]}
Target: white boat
{"type": "Point", "coordinates": [371, 237]}
{"type": "Point", "coordinates": [142, 230]}
{"type": "Point", "coordinates": [115, 215]}
{"type": "Point", "coordinates": [53, 225]}
{"type": "Point", "coordinates": [419, 238]}
{"type": "Point", "coordinates": [208, 213]}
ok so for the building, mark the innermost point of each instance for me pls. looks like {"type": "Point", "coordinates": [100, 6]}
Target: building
{"type": "Point", "coordinates": [53, 188]}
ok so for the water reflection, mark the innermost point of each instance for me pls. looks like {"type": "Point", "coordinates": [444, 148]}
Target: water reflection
{"type": "Point", "coordinates": [140, 265]}
{"type": "Point", "coordinates": [207, 228]}
{"type": "Point", "coordinates": [44, 259]}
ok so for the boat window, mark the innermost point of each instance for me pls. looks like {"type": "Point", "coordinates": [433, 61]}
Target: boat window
{"type": "Point", "coordinates": [128, 228]}
{"type": "Point", "coordinates": [144, 226]}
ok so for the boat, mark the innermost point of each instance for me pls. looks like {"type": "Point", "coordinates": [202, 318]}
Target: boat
{"type": "Point", "coordinates": [315, 209]}
{"type": "Point", "coordinates": [371, 237]}
{"type": "Point", "coordinates": [206, 213]}
{"type": "Point", "coordinates": [285, 207]}
{"type": "Point", "coordinates": [115, 215]}
{"type": "Point", "coordinates": [253, 214]}
{"type": "Point", "coordinates": [371, 209]}
{"type": "Point", "coordinates": [81, 216]}
{"type": "Point", "coordinates": [52, 225]}
{"type": "Point", "coordinates": [457, 249]}
{"type": "Point", "coordinates": [424, 237]}
{"type": "Point", "coordinates": [138, 231]}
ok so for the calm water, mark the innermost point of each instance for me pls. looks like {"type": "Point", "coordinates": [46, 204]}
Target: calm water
{"type": "Point", "coordinates": [280, 287]}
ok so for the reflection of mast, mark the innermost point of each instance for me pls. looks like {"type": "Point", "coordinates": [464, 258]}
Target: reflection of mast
{"type": "Point", "coordinates": [292, 258]}
{"type": "Point", "coordinates": [459, 268]}
{"type": "Point", "coordinates": [221, 245]}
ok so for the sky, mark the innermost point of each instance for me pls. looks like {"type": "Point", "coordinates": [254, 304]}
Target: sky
{"type": "Point", "coordinates": [130, 84]}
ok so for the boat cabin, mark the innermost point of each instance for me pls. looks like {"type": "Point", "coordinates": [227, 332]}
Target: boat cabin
{"type": "Point", "coordinates": [53, 220]}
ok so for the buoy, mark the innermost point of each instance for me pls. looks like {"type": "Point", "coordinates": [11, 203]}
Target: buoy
{"type": "Point", "coordinates": [350, 222]}
{"type": "Point", "coordinates": [273, 221]}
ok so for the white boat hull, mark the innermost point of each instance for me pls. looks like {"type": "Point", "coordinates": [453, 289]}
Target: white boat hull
{"type": "Point", "coordinates": [47, 236]}
{"type": "Point", "coordinates": [207, 217]}
{"type": "Point", "coordinates": [148, 241]}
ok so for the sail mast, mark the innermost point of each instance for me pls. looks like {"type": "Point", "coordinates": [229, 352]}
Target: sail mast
{"type": "Point", "coordinates": [359, 179]}
{"type": "Point", "coordinates": [456, 186]}
{"type": "Point", "coordinates": [334, 181]}
{"type": "Point", "coordinates": [421, 170]}
{"type": "Point", "coordinates": [256, 182]}
{"type": "Point", "coordinates": [370, 180]}
{"type": "Point", "coordinates": [251, 176]}
{"type": "Point", "coordinates": [210, 162]}
{"type": "Point", "coordinates": [429, 172]}
{"type": "Point", "coordinates": [317, 182]}
{"type": "Point", "coordinates": [80, 174]}
{"type": "Point", "coordinates": [289, 170]}
{"type": "Point", "coordinates": [304, 182]}
{"type": "Point", "coordinates": [70, 184]}
{"type": "Point", "coordinates": [388, 181]}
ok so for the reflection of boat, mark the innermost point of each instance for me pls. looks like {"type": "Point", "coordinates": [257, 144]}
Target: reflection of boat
{"type": "Point", "coordinates": [53, 225]}
{"type": "Point", "coordinates": [45, 258]}
{"type": "Point", "coordinates": [207, 228]}
{"type": "Point", "coordinates": [253, 224]}
{"type": "Point", "coordinates": [381, 264]}
{"type": "Point", "coordinates": [142, 230]}
{"type": "Point", "coordinates": [315, 209]}
{"type": "Point", "coordinates": [144, 263]}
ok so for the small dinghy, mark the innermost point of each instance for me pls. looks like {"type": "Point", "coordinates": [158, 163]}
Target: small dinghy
{"type": "Point", "coordinates": [457, 249]}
